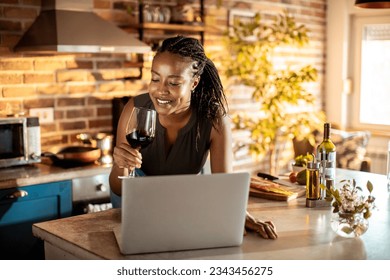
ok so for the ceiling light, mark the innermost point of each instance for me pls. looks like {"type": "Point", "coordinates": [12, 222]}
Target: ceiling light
{"type": "Point", "coordinates": [372, 4]}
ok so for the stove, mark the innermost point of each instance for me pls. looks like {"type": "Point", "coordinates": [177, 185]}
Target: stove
{"type": "Point", "coordinates": [91, 194]}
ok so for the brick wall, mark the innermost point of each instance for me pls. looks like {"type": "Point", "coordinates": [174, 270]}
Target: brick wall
{"type": "Point", "coordinates": [80, 87]}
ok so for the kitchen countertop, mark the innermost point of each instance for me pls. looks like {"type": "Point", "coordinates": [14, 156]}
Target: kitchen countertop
{"type": "Point", "coordinates": [45, 172]}
{"type": "Point", "coordinates": [304, 233]}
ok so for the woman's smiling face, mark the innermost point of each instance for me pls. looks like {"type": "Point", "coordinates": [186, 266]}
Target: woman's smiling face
{"type": "Point", "coordinates": [172, 80]}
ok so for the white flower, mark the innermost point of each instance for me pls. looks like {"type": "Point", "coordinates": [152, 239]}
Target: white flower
{"type": "Point", "coordinates": [350, 200]}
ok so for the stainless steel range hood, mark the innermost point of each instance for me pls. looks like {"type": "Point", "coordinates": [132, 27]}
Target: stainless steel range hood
{"type": "Point", "coordinates": [70, 26]}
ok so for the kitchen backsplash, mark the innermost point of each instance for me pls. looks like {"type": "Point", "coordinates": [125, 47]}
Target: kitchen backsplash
{"type": "Point", "coordinates": [79, 88]}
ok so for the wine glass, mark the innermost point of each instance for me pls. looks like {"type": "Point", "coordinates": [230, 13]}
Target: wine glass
{"type": "Point", "coordinates": [140, 131]}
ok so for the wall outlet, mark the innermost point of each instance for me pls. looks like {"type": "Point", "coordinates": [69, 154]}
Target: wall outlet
{"type": "Point", "coordinates": [46, 115]}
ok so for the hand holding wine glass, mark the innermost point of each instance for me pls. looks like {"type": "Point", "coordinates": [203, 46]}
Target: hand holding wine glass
{"type": "Point", "coordinates": [140, 130]}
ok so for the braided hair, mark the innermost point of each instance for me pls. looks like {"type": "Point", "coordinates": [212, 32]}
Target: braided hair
{"type": "Point", "coordinates": [208, 98]}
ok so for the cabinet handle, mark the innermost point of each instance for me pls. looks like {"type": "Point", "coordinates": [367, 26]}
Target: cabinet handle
{"type": "Point", "coordinates": [18, 193]}
{"type": "Point", "coordinates": [101, 188]}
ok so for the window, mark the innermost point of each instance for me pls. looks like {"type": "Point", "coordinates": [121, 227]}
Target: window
{"type": "Point", "coordinates": [371, 71]}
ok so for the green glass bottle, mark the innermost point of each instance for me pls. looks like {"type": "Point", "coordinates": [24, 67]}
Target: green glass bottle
{"type": "Point", "coordinates": [326, 156]}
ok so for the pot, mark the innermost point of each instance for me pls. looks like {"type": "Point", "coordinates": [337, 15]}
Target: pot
{"type": "Point", "coordinates": [103, 141]}
{"type": "Point", "coordinates": [72, 155]}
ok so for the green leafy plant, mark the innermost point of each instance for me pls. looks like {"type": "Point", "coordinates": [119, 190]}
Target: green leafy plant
{"type": "Point", "coordinates": [349, 200]}
{"type": "Point", "coordinates": [251, 46]}
{"type": "Point", "coordinates": [302, 160]}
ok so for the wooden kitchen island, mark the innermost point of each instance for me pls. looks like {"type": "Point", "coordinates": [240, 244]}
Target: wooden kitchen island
{"type": "Point", "coordinates": [304, 233]}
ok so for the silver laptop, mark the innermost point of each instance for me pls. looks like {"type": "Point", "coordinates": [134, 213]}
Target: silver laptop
{"type": "Point", "coordinates": [182, 212]}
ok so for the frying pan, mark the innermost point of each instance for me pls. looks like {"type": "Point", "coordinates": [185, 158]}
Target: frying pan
{"type": "Point", "coordinates": [72, 155]}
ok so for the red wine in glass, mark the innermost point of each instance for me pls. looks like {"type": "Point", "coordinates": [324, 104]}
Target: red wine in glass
{"type": "Point", "coordinates": [140, 130]}
{"type": "Point", "coordinates": [139, 139]}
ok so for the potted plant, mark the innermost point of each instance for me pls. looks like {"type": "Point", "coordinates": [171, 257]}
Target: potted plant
{"type": "Point", "coordinates": [251, 45]}
{"type": "Point", "coordinates": [301, 161]}
{"type": "Point", "coordinates": [351, 209]}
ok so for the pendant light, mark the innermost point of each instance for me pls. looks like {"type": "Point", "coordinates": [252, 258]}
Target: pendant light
{"type": "Point", "coordinates": [372, 4]}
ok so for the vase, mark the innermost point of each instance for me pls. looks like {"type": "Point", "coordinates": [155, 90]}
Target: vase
{"type": "Point", "coordinates": [349, 225]}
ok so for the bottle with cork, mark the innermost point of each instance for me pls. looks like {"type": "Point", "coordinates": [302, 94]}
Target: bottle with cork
{"type": "Point", "coordinates": [326, 156]}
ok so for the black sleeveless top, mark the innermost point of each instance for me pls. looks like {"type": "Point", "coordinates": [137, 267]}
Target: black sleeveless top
{"type": "Point", "coordinates": [186, 155]}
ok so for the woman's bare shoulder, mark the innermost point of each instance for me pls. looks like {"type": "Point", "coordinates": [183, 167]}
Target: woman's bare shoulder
{"type": "Point", "coordinates": [225, 126]}
{"type": "Point", "coordinates": [127, 109]}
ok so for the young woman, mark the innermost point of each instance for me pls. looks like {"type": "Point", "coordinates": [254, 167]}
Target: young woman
{"type": "Point", "coordinates": [192, 122]}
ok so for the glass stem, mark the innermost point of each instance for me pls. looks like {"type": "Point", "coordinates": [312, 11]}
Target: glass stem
{"type": "Point", "coordinates": [132, 173]}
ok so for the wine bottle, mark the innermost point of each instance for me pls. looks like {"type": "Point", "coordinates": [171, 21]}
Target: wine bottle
{"type": "Point", "coordinates": [326, 156]}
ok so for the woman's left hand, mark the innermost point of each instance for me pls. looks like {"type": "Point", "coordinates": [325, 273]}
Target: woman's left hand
{"type": "Point", "coordinates": [265, 229]}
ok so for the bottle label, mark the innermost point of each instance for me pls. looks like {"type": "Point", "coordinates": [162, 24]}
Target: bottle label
{"type": "Point", "coordinates": [332, 157]}
{"type": "Point", "coordinates": [329, 157]}
{"type": "Point", "coordinates": [327, 169]}
{"type": "Point", "coordinates": [329, 173]}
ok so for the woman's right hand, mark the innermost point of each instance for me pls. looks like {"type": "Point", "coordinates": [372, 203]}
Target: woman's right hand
{"type": "Point", "coordinates": [127, 157]}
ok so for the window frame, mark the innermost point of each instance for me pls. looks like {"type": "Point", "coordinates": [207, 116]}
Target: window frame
{"type": "Point", "coordinates": [358, 25]}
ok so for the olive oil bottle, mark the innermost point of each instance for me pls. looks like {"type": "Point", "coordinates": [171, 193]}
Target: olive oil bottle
{"type": "Point", "coordinates": [326, 156]}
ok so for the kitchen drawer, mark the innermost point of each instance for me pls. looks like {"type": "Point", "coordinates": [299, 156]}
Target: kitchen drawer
{"type": "Point", "coordinates": [91, 188]}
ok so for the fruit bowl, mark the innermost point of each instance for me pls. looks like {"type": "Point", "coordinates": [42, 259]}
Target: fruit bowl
{"type": "Point", "coordinates": [297, 168]}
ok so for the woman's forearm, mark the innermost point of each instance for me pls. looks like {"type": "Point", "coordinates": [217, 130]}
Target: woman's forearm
{"type": "Point", "coordinates": [115, 182]}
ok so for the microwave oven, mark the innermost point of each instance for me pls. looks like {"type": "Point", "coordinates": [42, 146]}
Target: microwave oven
{"type": "Point", "coordinates": [20, 141]}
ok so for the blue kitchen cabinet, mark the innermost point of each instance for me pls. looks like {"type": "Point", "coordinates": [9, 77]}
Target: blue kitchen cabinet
{"type": "Point", "coordinates": [21, 207]}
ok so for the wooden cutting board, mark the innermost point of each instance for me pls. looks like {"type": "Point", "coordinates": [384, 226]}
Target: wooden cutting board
{"type": "Point", "coordinates": [297, 191]}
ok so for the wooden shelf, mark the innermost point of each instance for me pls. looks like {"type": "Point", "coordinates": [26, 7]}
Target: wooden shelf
{"type": "Point", "coordinates": [160, 30]}
{"type": "Point", "coordinates": [173, 27]}
{"type": "Point", "coordinates": [166, 26]}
